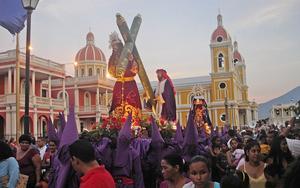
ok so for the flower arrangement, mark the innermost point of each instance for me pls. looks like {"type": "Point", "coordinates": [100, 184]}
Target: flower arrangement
{"type": "Point", "coordinates": [110, 127]}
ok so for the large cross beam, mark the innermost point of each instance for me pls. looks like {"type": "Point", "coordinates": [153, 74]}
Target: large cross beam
{"type": "Point", "coordinates": [129, 37]}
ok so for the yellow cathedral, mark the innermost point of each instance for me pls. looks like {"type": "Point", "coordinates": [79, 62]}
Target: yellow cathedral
{"type": "Point", "coordinates": [225, 89]}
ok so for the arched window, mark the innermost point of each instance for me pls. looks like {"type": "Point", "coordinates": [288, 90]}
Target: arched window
{"type": "Point", "coordinates": [221, 61]}
{"type": "Point", "coordinates": [103, 73]}
{"type": "Point", "coordinates": [82, 72]}
{"type": "Point", "coordinates": [220, 39]}
{"type": "Point", "coordinates": [98, 71]}
{"type": "Point", "coordinates": [90, 72]}
{"type": "Point", "coordinates": [87, 100]}
{"type": "Point", "coordinates": [60, 96]}
{"type": "Point", "coordinates": [235, 61]}
{"type": "Point", "coordinates": [223, 117]}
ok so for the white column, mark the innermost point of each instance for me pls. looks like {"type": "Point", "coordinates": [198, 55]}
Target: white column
{"type": "Point", "coordinates": [49, 86]}
{"type": "Point", "coordinates": [64, 93]}
{"type": "Point", "coordinates": [8, 122]}
{"type": "Point", "coordinates": [101, 72]}
{"type": "Point", "coordinates": [15, 79]}
{"type": "Point", "coordinates": [9, 81]}
{"type": "Point", "coordinates": [33, 83]}
{"type": "Point", "coordinates": [256, 114]}
{"type": "Point", "coordinates": [216, 117]}
{"type": "Point", "coordinates": [106, 97]}
{"type": "Point", "coordinates": [237, 118]}
{"type": "Point", "coordinates": [248, 115]}
{"type": "Point", "coordinates": [76, 95]}
{"type": "Point", "coordinates": [77, 107]}
{"type": "Point", "coordinates": [35, 123]}
{"type": "Point", "coordinates": [97, 97]}
{"type": "Point", "coordinates": [176, 98]}
{"type": "Point", "coordinates": [86, 70]}
{"type": "Point", "coordinates": [98, 112]}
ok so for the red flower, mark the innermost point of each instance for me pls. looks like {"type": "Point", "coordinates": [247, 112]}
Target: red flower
{"type": "Point", "coordinates": [114, 120]}
{"type": "Point", "coordinates": [104, 125]}
{"type": "Point", "coordinates": [118, 127]}
{"type": "Point", "coordinates": [93, 127]}
{"type": "Point", "coordinates": [112, 126]}
{"type": "Point", "coordinates": [123, 119]}
{"type": "Point", "coordinates": [162, 122]}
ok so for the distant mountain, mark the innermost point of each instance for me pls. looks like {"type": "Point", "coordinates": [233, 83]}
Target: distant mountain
{"type": "Point", "coordinates": [264, 108]}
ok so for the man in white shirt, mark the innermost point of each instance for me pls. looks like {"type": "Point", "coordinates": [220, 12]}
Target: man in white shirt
{"type": "Point", "coordinates": [41, 144]}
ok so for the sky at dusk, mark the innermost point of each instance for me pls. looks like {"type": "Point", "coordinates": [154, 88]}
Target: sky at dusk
{"type": "Point", "coordinates": [175, 35]}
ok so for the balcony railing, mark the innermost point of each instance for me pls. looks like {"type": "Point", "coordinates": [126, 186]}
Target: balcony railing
{"type": "Point", "coordinates": [92, 109]}
{"type": "Point", "coordinates": [34, 101]}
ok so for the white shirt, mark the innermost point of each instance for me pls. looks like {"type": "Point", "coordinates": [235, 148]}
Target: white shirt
{"type": "Point", "coordinates": [42, 151]}
{"type": "Point", "coordinates": [192, 185]}
{"type": "Point", "coordinates": [294, 146]}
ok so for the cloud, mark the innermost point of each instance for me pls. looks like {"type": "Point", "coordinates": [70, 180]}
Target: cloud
{"type": "Point", "coordinates": [276, 12]}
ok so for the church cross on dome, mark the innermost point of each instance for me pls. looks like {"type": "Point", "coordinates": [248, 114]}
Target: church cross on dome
{"type": "Point", "coordinates": [90, 39]}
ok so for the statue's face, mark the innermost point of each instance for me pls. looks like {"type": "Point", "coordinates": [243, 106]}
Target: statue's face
{"type": "Point", "coordinates": [199, 111]}
{"type": "Point", "coordinates": [159, 76]}
{"type": "Point", "coordinates": [115, 46]}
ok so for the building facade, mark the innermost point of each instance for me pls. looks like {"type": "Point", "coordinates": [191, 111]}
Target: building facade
{"type": "Point", "coordinates": [281, 113]}
{"type": "Point", "coordinates": [226, 84]}
{"type": "Point", "coordinates": [52, 91]}
{"type": "Point", "coordinates": [89, 91]}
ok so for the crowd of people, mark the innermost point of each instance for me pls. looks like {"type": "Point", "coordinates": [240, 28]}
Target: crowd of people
{"type": "Point", "coordinates": [265, 156]}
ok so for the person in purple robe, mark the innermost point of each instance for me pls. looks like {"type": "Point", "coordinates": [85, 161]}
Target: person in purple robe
{"type": "Point", "coordinates": [178, 137]}
{"type": "Point", "coordinates": [103, 151]}
{"type": "Point", "coordinates": [62, 124]}
{"type": "Point", "coordinates": [126, 98]}
{"type": "Point", "coordinates": [165, 97]}
{"type": "Point", "coordinates": [62, 174]}
{"type": "Point", "coordinates": [151, 166]}
{"type": "Point", "coordinates": [51, 132]}
{"type": "Point", "coordinates": [127, 170]}
{"type": "Point", "coordinates": [201, 115]}
{"type": "Point", "coordinates": [191, 145]}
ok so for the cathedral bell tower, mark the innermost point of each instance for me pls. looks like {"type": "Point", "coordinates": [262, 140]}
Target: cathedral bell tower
{"type": "Point", "coordinates": [222, 77]}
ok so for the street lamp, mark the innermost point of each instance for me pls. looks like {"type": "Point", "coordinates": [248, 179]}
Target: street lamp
{"type": "Point", "coordinates": [29, 5]}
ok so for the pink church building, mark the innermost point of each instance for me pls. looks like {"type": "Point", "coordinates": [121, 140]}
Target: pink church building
{"type": "Point", "coordinates": [52, 91]}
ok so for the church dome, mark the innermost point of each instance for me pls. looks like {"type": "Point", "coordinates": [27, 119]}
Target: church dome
{"type": "Point", "coordinates": [236, 53]}
{"type": "Point", "coordinates": [90, 53]}
{"type": "Point", "coordinates": [220, 34]}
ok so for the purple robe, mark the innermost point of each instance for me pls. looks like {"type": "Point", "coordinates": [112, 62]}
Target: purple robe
{"type": "Point", "coordinates": [191, 138]}
{"type": "Point", "coordinates": [66, 175]}
{"type": "Point", "coordinates": [132, 169]}
{"type": "Point", "coordinates": [141, 145]}
{"type": "Point", "coordinates": [103, 152]}
{"type": "Point", "coordinates": [62, 124]}
{"type": "Point", "coordinates": [169, 107]}
{"type": "Point", "coordinates": [51, 132]}
{"type": "Point", "coordinates": [126, 160]}
{"type": "Point", "coordinates": [178, 137]}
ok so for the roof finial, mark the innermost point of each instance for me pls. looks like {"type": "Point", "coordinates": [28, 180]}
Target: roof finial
{"type": "Point", "coordinates": [219, 18]}
{"type": "Point", "coordinates": [90, 40]}
{"type": "Point", "coordinates": [235, 45]}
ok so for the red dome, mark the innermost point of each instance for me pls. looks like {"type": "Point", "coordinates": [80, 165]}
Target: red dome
{"type": "Point", "coordinates": [237, 55]}
{"type": "Point", "coordinates": [90, 52]}
{"type": "Point", "coordinates": [220, 32]}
